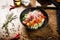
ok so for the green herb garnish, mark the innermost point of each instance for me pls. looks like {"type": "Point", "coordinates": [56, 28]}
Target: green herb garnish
{"type": "Point", "coordinates": [9, 19]}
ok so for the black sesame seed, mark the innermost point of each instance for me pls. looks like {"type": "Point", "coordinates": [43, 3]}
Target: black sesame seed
{"type": "Point", "coordinates": [3, 35]}
{"type": "Point", "coordinates": [6, 35]}
{"type": "Point", "coordinates": [1, 38]}
{"type": "Point", "coordinates": [10, 29]}
{"type": "Point", "coordinates": [3, 31]}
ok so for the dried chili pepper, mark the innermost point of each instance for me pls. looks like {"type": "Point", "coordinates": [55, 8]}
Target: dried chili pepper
{"type": "Point", "coordinates": [16, 37]}
{"type": "Point", "coordinates": [12, 7]}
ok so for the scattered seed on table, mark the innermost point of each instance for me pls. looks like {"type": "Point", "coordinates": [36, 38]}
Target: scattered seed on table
{"type": "Point", "coordinates": [3, 35]}
{"type": "Point", "coordinates": [13, 24]}
{"type": "Point", "coordinates": [6, 35]}
{"type": "Point", "coordinates": [18, 27]}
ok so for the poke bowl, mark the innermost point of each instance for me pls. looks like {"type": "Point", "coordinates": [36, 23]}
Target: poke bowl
{"type": "Point", "coordinates": [34, 18]}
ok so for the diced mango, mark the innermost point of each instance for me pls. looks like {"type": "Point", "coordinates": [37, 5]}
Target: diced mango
{"type": "Point", "coordinates": [27, 24]}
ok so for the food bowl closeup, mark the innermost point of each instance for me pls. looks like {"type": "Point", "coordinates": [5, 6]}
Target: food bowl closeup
{"type": "Point", "coordinates": [34, 18]}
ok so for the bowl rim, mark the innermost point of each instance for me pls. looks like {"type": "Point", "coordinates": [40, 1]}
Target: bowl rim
{"type": "Point", "coordinates": [40, 9]}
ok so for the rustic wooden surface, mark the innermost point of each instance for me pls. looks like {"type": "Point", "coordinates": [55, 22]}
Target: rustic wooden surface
{"type": "Point", "coordinates": [47, 33]}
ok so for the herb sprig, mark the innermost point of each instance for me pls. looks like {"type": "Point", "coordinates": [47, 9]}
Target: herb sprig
{"type": "Point", "coordinates": [9, 19]}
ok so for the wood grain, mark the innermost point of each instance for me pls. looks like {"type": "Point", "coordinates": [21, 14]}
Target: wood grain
{"type": "Point", "coordinates": [33, 3]}
{"type": "Point", "coordinates": [58, 0]}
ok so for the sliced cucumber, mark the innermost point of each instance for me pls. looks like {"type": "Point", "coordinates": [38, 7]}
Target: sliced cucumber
{"type": "Point", "coordinates": [25, 16]}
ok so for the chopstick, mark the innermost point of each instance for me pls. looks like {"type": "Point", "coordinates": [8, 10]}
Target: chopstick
{"type": "Point", "coordinates": [54, 8]}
